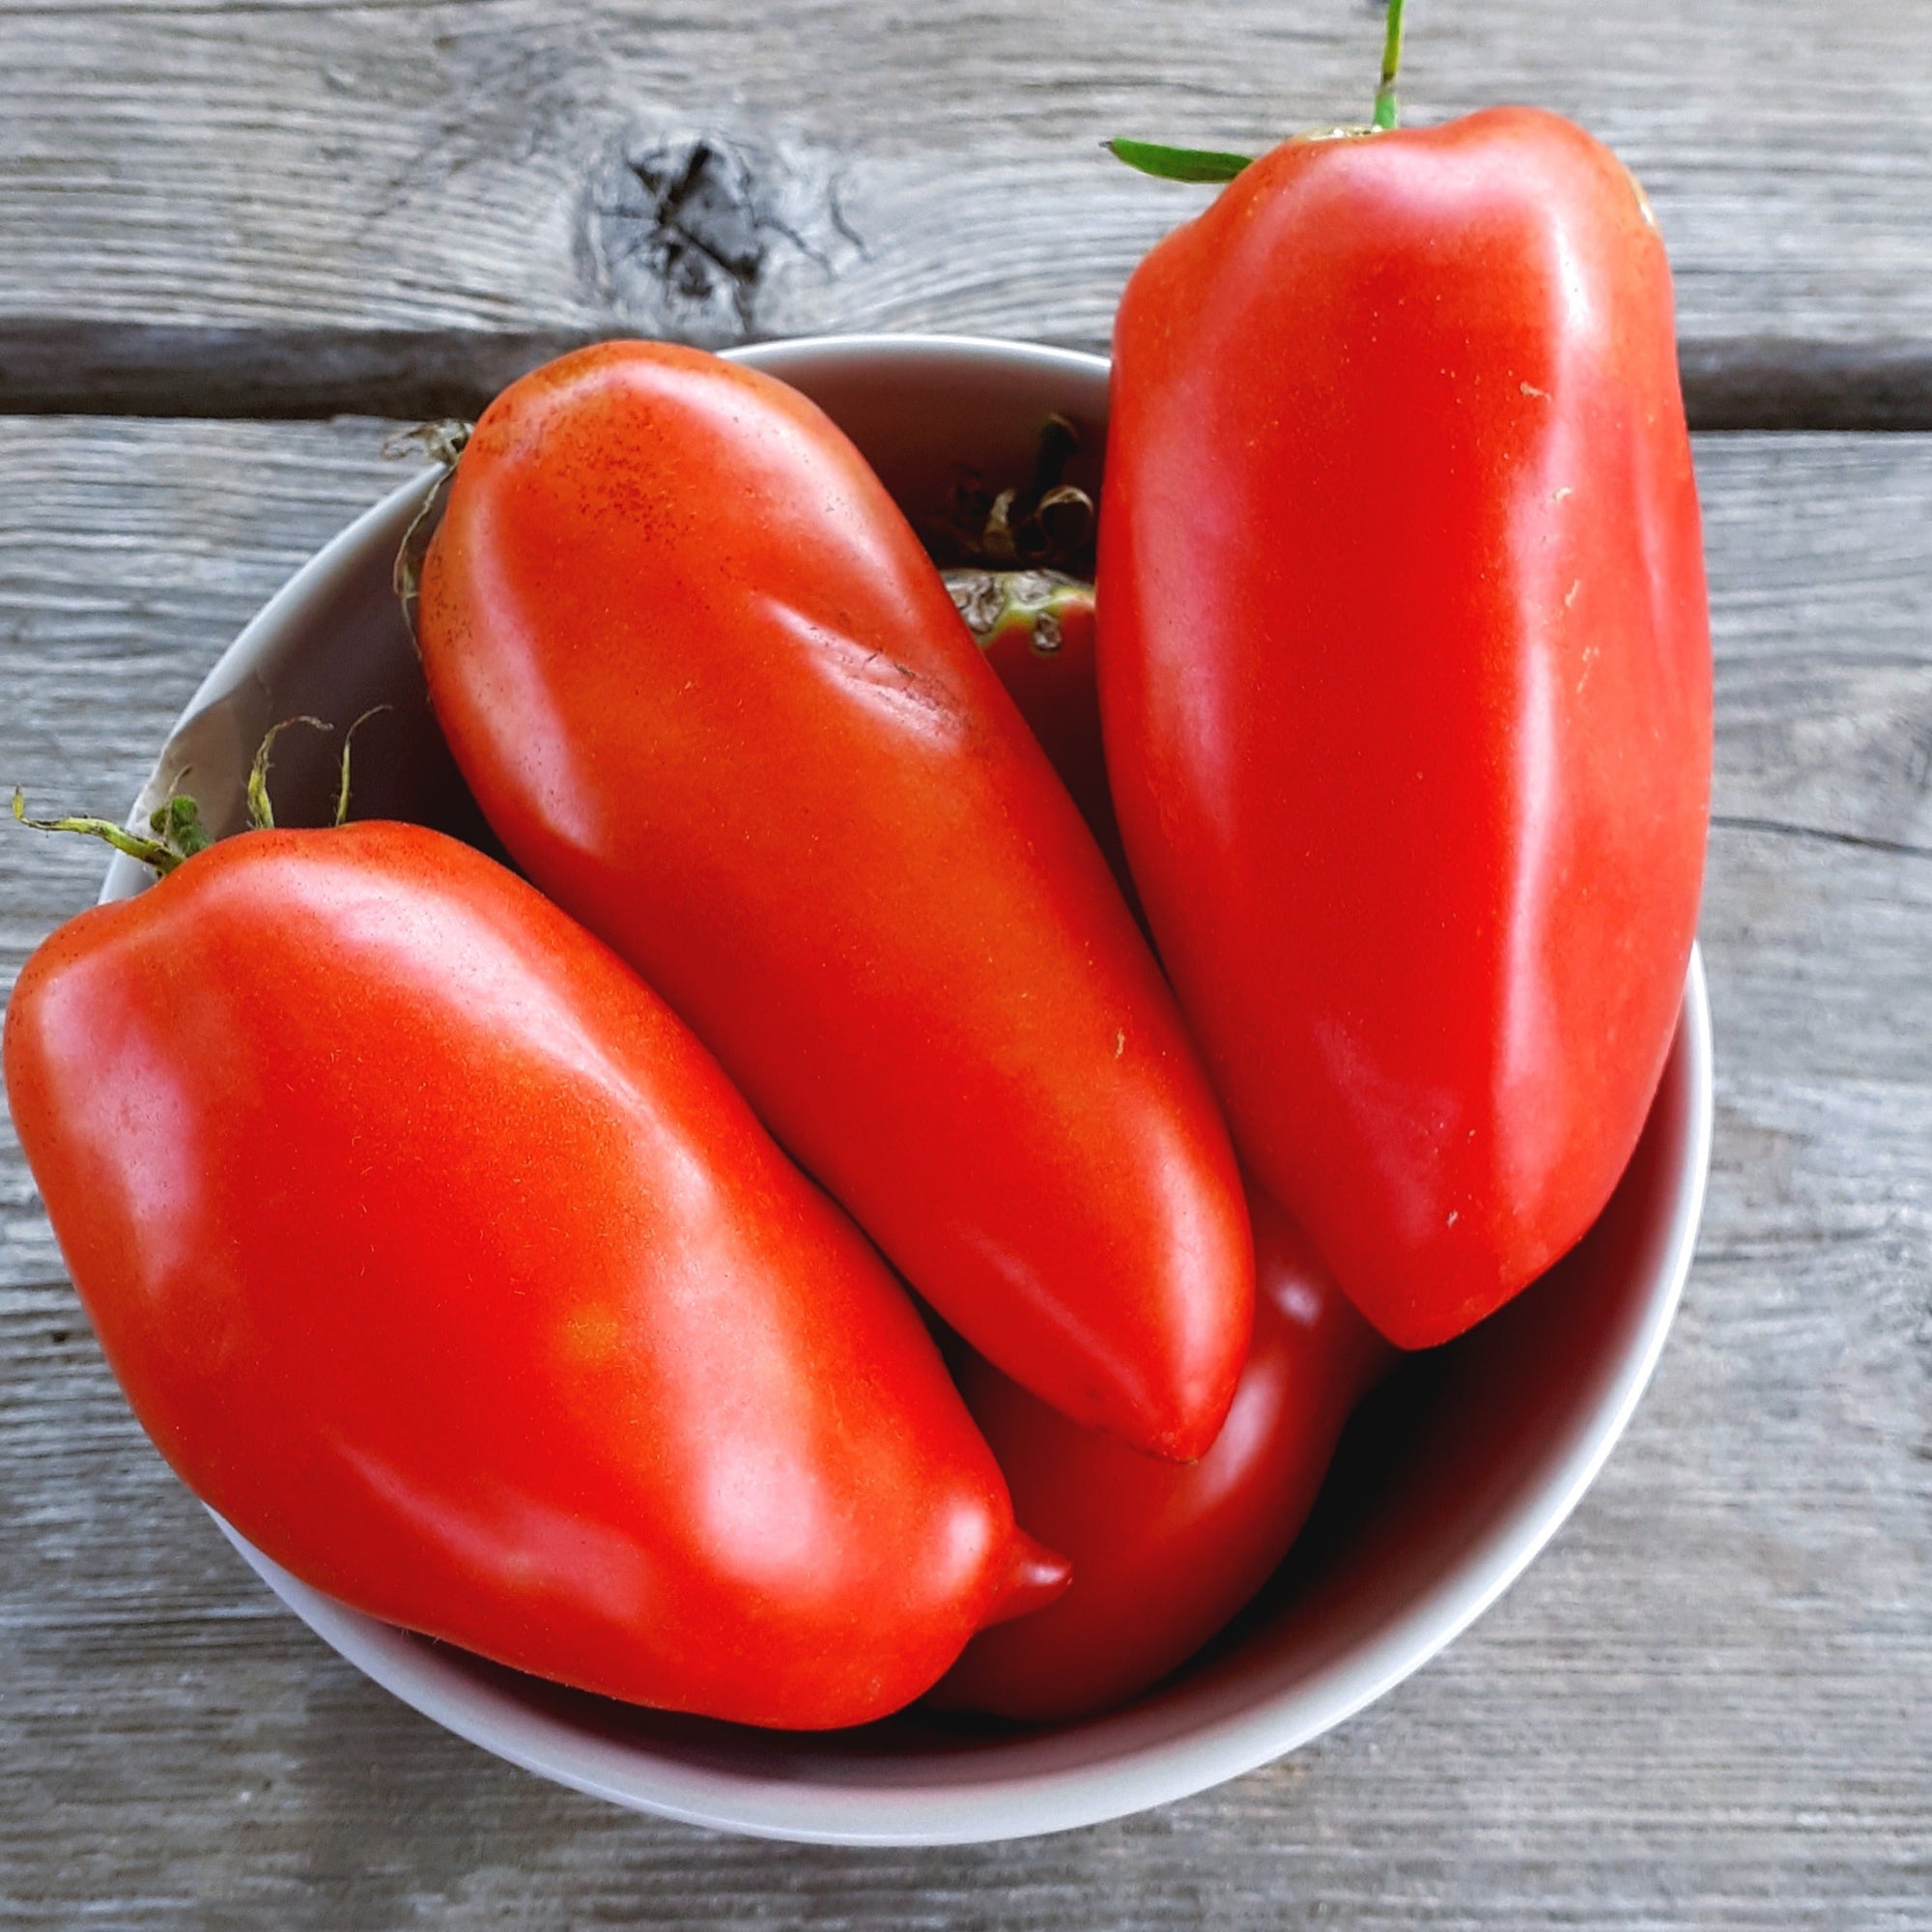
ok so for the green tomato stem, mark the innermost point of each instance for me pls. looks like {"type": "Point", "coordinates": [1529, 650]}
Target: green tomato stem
{"type": "Point", "coordinates": [177, 824]}
{"type": "Point", "coordinates": [1385, 108]}
{"type": "Point", "coordinates": [150, 851]}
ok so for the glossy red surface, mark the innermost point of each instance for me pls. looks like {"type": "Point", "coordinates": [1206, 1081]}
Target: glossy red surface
{"type": "Point", "coordinates": [1041, 648]}
{"type": "Point", "coordinates": [713, 697]}
{"type": "Point", "coordinates": [1165, 1554]}
{"type": "Point", "coordinates": [440, 1259]}
{"type": "Point", "coordinates": [1406, 683]}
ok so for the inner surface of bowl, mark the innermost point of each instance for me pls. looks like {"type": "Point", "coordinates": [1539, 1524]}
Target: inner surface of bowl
{"type": "Point", "coordinates": [1448, 1484]}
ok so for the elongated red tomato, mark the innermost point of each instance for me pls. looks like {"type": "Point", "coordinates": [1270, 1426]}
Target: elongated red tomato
{"type": "Point", "coordinates": [1035, 630]}
{"type": "Point", "coordinates": [715, 699]}
{"type": "Point", "coordinates": [1405, 684]}
{"type": "Point", "coordinates": [437, 1255]}
{"type": "Point", "coordinates": [1164, 1556]}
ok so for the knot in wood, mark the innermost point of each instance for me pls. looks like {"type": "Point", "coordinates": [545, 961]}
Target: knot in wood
{"type": "Point", "coordinates": [685, 238]}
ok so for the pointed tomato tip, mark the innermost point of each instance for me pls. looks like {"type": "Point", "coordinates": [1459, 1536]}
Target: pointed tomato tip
{"type": "Point", "coordinates": [1193, 1432]}
{"type": "Point", "coordinates": [1413, 1326]}
{"type": "Point", "coordinates": [1035, 1577]}
{"type": "Point", "coordinates": [1189, 1441]}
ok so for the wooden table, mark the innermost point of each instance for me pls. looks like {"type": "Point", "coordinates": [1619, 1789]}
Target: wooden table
{"type": "Point", "coordinates": [233, 236]}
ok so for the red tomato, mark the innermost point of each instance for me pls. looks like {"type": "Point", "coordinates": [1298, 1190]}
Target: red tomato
{"type": "Point", "coordinates": [1405, 683]}
{"type": "Point", "coordinates": [1163, 1557]}
{"type": "Point", "coordinates": [437, 1255]}
{"type": "Point", "coordinates": [1035, 628]}
{"type": "Point", "coordinates": [713, 697]}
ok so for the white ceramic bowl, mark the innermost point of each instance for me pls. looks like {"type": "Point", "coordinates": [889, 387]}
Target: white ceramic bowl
{"type": "Point", "coordinates": [1450, 1483]}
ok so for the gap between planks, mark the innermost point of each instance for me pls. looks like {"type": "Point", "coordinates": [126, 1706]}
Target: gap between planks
{"type": "Point", "coordinates": [76, 366]}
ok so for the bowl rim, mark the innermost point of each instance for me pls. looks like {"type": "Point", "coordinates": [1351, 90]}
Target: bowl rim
{"type": "Point", "coordinates": [884, 1803]}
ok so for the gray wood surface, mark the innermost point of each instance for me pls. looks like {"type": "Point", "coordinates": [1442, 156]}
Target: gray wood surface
{"type": "Point", "coordinates": [233, 208]}
{"type": "Point", "coordinates": [1708, 1704]}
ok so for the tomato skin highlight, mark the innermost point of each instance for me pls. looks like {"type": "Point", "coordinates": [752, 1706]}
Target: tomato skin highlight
{"type": "Point", "coordinates": [1405, 684]}
{"type": "Point", "coordinates": [1164, 1556]}
{"type": "Point", "coordinates": [437, 1255]}
{"type": "Point", "coordinates": [713, 696]}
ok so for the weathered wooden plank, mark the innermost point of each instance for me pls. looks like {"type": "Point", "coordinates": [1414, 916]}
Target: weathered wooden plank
{"type": "Point", "coordinates": [1819, 575]}
{"type": "Point", "coordinates": [1703, 1706]}
{"type": "Point", "coordinates": [220, 206]}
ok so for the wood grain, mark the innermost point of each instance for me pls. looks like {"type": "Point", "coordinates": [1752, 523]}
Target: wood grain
{"type": "Point", "coordinates": [1706, 1705]}
{"type": "Point", "coordinates": [255, 207]}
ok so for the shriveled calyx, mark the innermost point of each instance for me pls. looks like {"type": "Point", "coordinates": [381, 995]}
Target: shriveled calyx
{"type": "Point", "coordinates": [175, 832]}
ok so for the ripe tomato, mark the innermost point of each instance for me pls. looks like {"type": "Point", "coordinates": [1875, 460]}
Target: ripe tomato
{"type": "Point", "coordinates": [1035, 628]}
{"type": "Point", "coordinates": [715, 699]}
{"type": "Point", "coordinates": [437, 1255]}
{"type": "Point", "coordinates": [1163, 1557]}
{"type": "Point", "coordinates": [1405, 684]}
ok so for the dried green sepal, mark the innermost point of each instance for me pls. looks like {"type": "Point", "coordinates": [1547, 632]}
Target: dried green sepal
{"type": "Point", "coordinates": [261, 813]}
{"type": "Point", "coordinates": [158, 853]}
{"type": "Point", "coordinates": [443, 443]}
